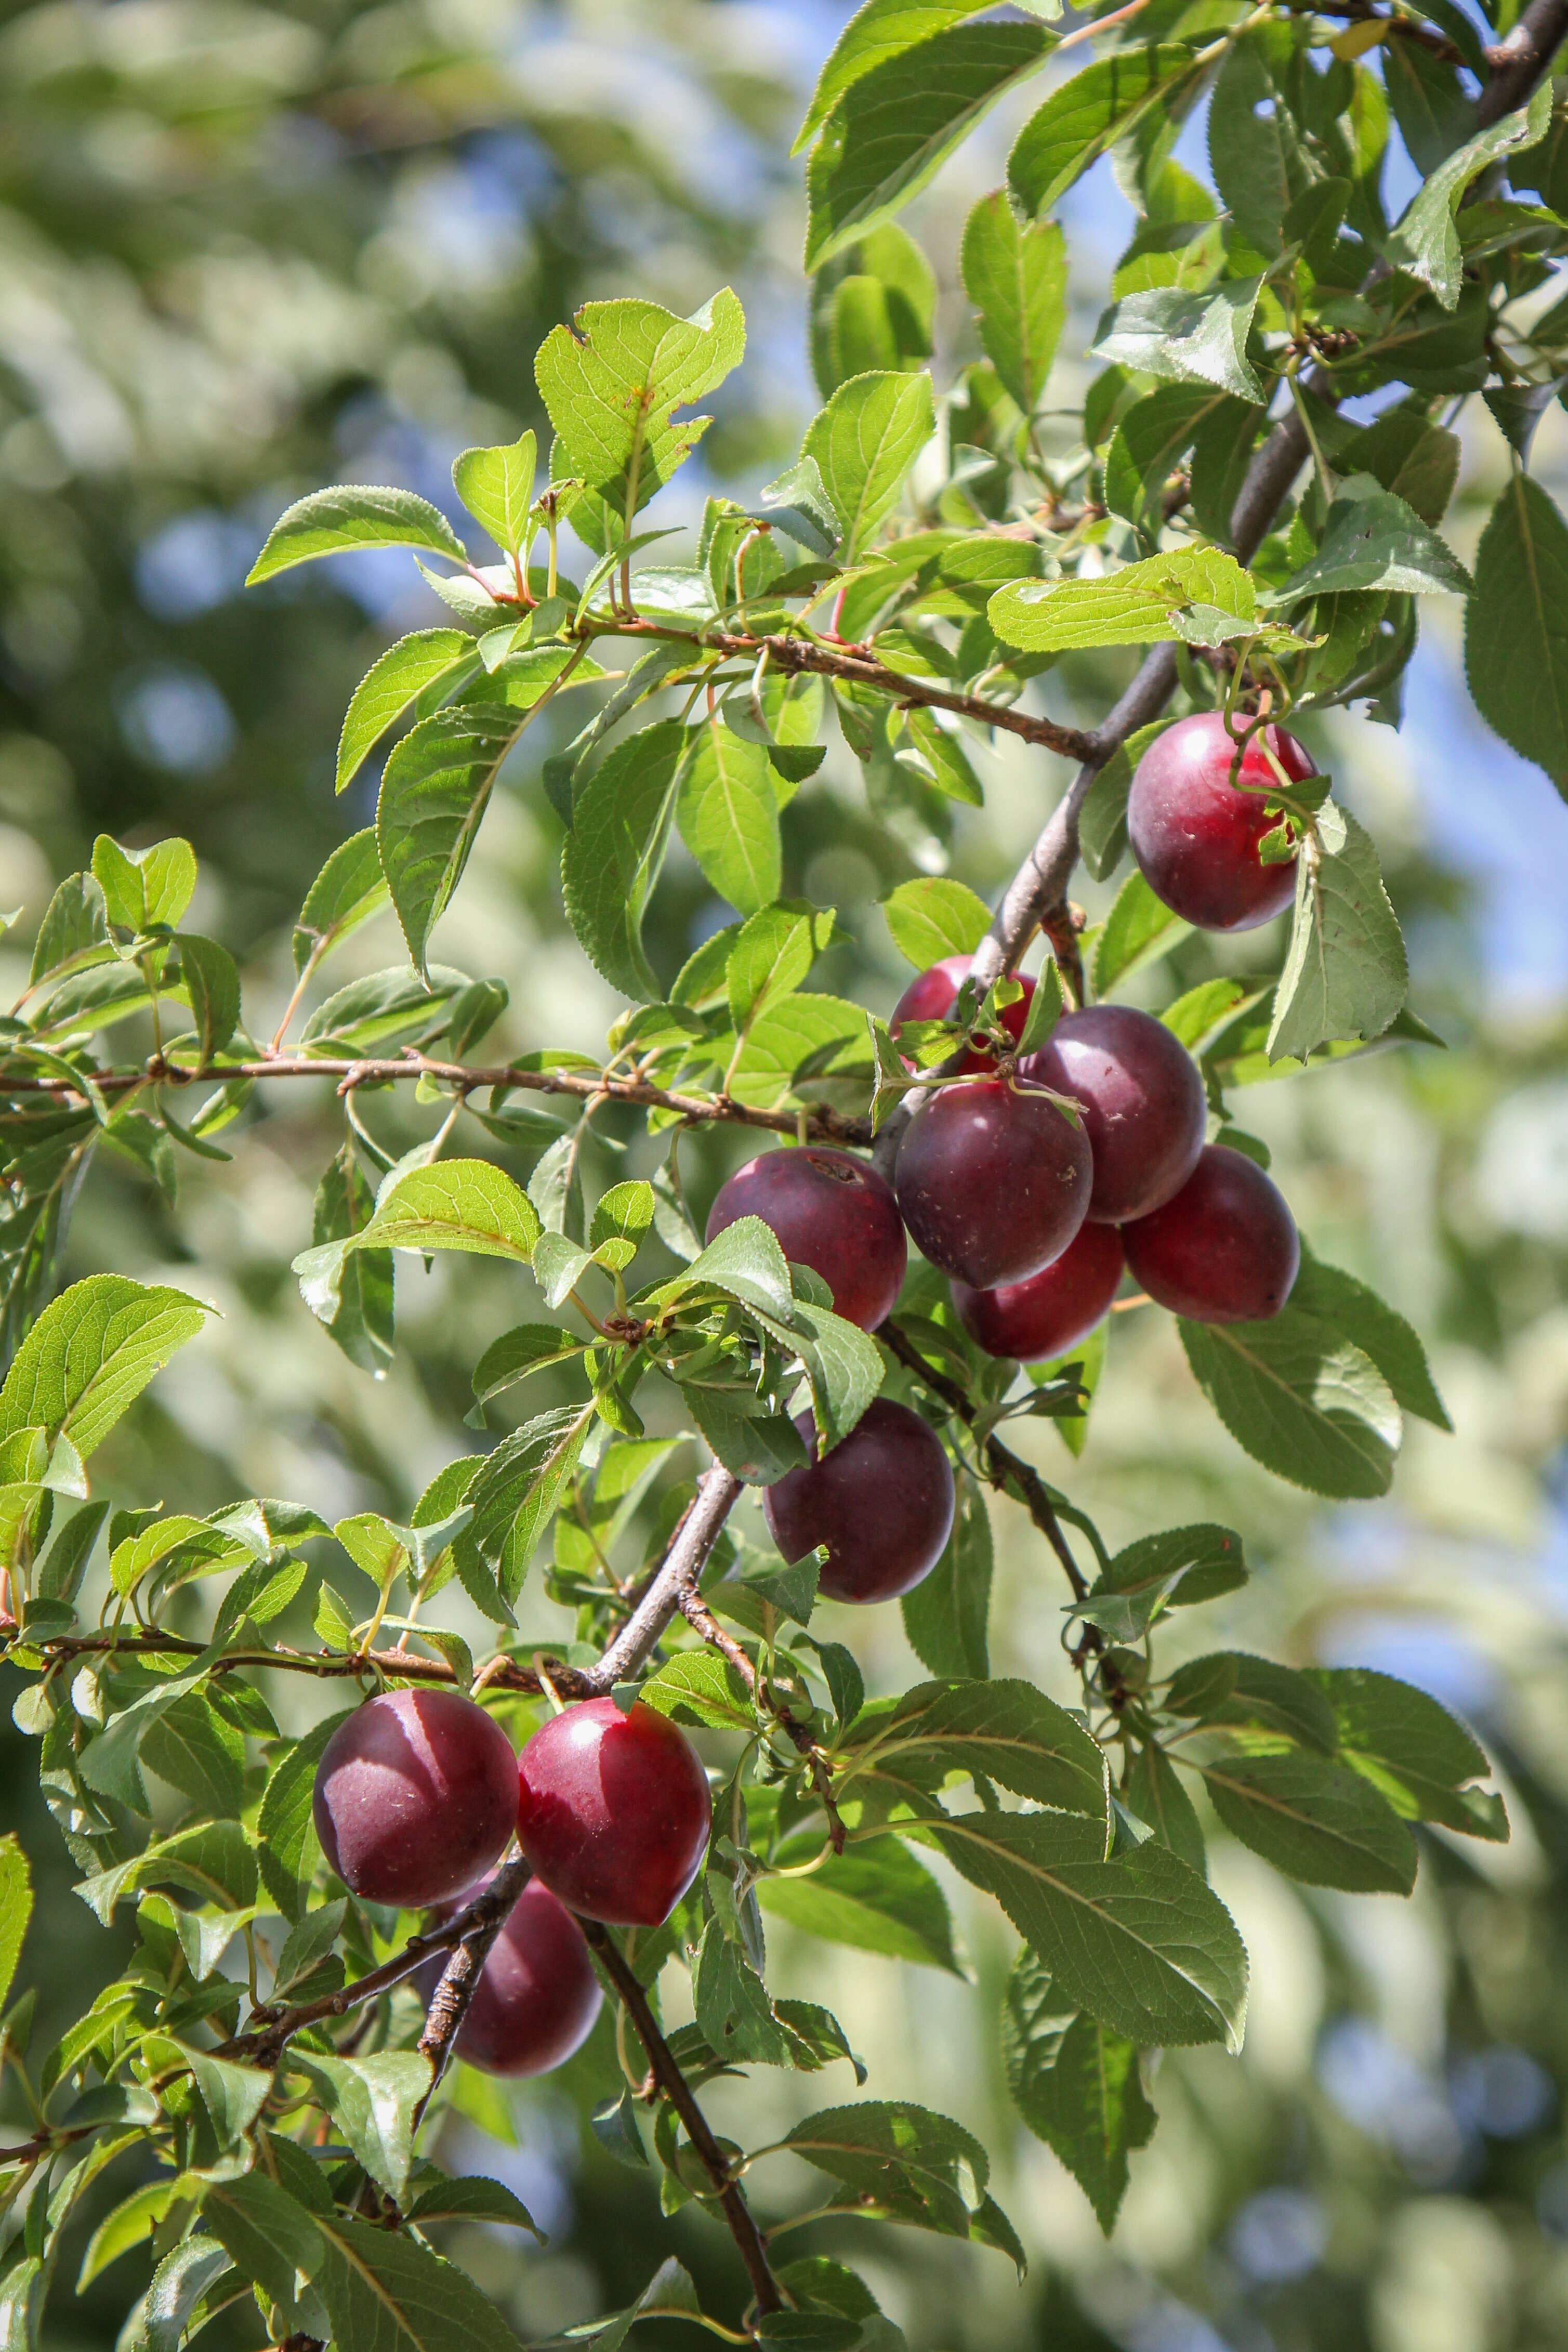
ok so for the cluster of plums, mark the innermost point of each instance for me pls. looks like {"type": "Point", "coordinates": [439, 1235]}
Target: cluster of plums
{"type": "Point", "coordinates": [417, 1795]}
{"type": "Point", "coordinates": [1032, 1217]}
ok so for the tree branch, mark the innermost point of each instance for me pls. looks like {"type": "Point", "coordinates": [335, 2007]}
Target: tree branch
{"type": "Point", "coordinates": [273, 2030]}
{"type": "Point", "coordinates": [678, 2091]}
{"type": "Point", "coordinates": [1520, 61]}
{"type": "Point", "coordinates": [449, 2005]}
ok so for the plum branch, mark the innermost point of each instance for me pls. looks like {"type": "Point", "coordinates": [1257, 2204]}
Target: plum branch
{"type": "Point", "coordinates": [667, 2073]}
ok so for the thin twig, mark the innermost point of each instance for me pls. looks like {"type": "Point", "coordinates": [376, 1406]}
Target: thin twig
{"type": "Point", "coordinates": [678, 2091]}
{"type": "Point", "coordinates": [459, 1981]}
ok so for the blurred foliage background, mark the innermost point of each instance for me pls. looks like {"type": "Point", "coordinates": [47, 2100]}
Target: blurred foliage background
{"type": "Point", "coordinates": [244, 251]}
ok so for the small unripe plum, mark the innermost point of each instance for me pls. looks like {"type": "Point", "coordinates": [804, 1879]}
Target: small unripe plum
{"type": "Point", "coordinates": [613, 1811]}
{"type": "Point", "coordinates": [932, 996]}
{"type": "Point", "coordinates": [830, 1212]}
{"type": "Point", "coordinates": [537, 1995]}
{"type": "Point", "coordinates": [881, 1501]}
{"type": "Point", "coordinates": [1225, 1250]}
{"type": "Point", "coordinates": [1054, 1309]}
{"type": "Point", "coordinates": [993, 1181]}
{"type": "Point", "coordinates": [1195, 834]}
{"type": "Point", "coordinates": [416, 1795]}
{"type": "Point", "coordinates": [1143, 1103]}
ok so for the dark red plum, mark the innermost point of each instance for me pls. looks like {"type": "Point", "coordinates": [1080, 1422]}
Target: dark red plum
{"type": "Point", "coordinates": [1054, 1310]}
{"type": "Point", "coordinates": [416, 1795]}
{"type": "Point", "coordinates": [613, 1811]}
{"type": "Point", "coordinates": [932, 996]}
{"type": "Point", "coordinates": [882, 1501]}
{"type": "Point", "coordinates": [537, 1995]}
{"type": "Point", "coordinates": [993, 1181]}
{"type": "Point", "coordinates": [830, 1212]}
{"type": "Point", "coordinates": [1142, 1096]}
{"type": "Point", "coordinates": [1195, 834]}
{"type": "Point", "coordinates": [1225, 1250]}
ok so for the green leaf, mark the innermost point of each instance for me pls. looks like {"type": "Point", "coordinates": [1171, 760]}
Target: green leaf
{"type": "Point", "coordinates": [1138, 606]}
{"type": "Point", "coordinates": [266, 2235]}
{"type": "Point", "coordinates": [349, 887]}
{"type": "Point", "coordinates": [1155, 1794]}
{"type": "Point", "coordinates": [1102, 817]}
{"type": "Point", "coordinates": [905, 2157]}
{"type": "Point", "coordinates": [74, 932]}
{"type": "Point", "coordinates": [1138, 929]}
{"type": "Point", "coordinates": [1187, 335]}
{"type": "Point", "coordinates": [1315, 1821]}
{"type": "Point", "coordinates": [177, 2299]}
{"type": "Point", "coordinates": [863, 444]}
{"type": "Point", "coordinates": [353, 1297]}
{"type": "Point", "coordinates": [142, 887]}
{"type": "Point", "coordinates": [611, 858]}
{"type": "Point", "coordinates": [933, 917]}
{"type": "Point", "coordinates": [701, 1687]}
{"type": "Point", "coordinates": [400, 675]}
{"type": "Point", "coordinates": [770, 955]}
{"type": "Point", "coordinates": [877, 31]}
{"type": "Point", "coordinates": [1176, 1570]}
{"type": "Point", "coordinates": [286, 1846]}
{"type": "Point", "coordinates": [612, 382]}
{"type": "Point", "coordinates": [874, 306]}
{"type": "Point", "coordinates": [1302, 1398]}
{"type": "Point", "coordinates": [461, 1205]}
{"type": "Point", "coordinates": [232, 2095]}
{"type": "Point", "coordinates": [16, 1909]}
{"type": "Point", "coordinates": [1376, 541]}
{"type": "Point", "coordinates": [1076, 2084]}
{"type": "Point", "coordinates": [1412, 1749]}
{"type": "Point", "coordinates": [211, 980]}
{"type": "Point", "coordinates": [896, 123]}
{"type": "Point", "coordinates": [1139, 1941]}
{"type": "Point", "coordinates": [1005, 1730]}
{"type": "Point", "coordinates": [875, 1898]}
{"type": "Point", "coordinates": [435, 788]}
{"type": "Point", "coordinates": [1516, 653]}
{"type": "Point", "coordinates": [497, 485]}
{"type": "Point", "coordinates": [527, 1348]}
{"type": "Point", "coordinates": [728, 816]}
{"type": "Point", "coordinates": [214, 1858]}
{"type": "Point", "coordinates": [90, 1354]}
{"type": "Point", "coordinates": [384, 2289]}
{"type": "Point", "coordinates": [730, 2003]}
{"type": "Point", "coordinates": [1015, 274]}
{"type": "Point", "coordinates": [793, 1040]}
{"type": "Point", "coordinates": [1345, 974]}
{"type": "Point", "coordinates": [944, 1616]}
{"type": "Point", "coordinates": [935, 755]}
{"type": "Point", "coordinates": [1376, 1328]}
{"type": "Point", "coordinates": [372, 2101]}
{"type": "Point", "coordinates": [382, 1009]}
{"type": "Point", "coordinates": [517, 1491]}
{"type": "Point", "coordinates": [1404, 450]}
{"type": "Point", "coordinates": [1261, 158]}
{"type": "Point", "coordinates": [352, 514]}
{"type": "Point", "coordinates": [471, 2197]}
{"type": "Point", "coordinates": [1232, 1687]}
{"type": "Point", "coordinates": [1082, 116]}
{"type": "Point", "coordinates": [1425, 240]}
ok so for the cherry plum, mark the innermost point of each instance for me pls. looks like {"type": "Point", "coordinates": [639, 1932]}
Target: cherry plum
{"type": "Point", "coordinates": [1052, 1310]}
{"type": "Point", "coordinates": [1224, 1250]}
{"type": "Point", "coordinates": [882, 1501]}
{"type": "Point", "coordinates": [614, 1810]}
{"type": "Point", "coordinates": [994, 1181]}
{"type": "Point", "coordinates": [1195, 834]}
{"type": "Point", "coordinates": [416, 1795]}
{"type": "Point", "coordinates": [830, 1212]}
{"type": "Point", "coordinates": [1143, 1103]}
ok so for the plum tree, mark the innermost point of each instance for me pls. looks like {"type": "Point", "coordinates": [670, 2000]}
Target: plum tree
{"type": "Point", "coordinates": [830, 1212]}
{"type": "Point", "coordinates": [415, 1794]}
{"type": "Point", "coordinates": [536, 1998]}
{"type": "Point", "coordinates": [1143, 1103]}
{"type": "Point", "coordinates": [1051, 1311]}
{"type": "Point", "coordinates": [881, 1501]}
{"type": "Point", "coordinates": [930, 996]}
{"type": "Point", "coordinates": [908, 586]}
{"type": "Point", "coordinates": [612, 1811]}
{"type": "Point", "coordinates": [1224, 1249]}
{"type": "Point", "coordinates": [993, 1181]}
{"type": "Point", "coordinates": [1195, 831]}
